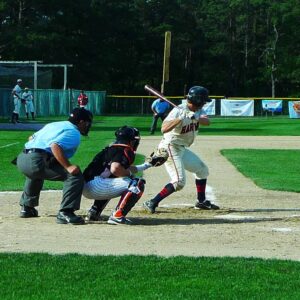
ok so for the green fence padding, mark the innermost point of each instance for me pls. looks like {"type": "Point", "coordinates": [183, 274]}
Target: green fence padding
{"type": "Point", "coordinates": [51, 102]}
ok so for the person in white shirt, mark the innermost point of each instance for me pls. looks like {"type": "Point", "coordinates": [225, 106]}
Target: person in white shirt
{"type": "Point", "coordinates": [17, 95]}
{"type": "Point", "coordinates": [28, 98]}
{"type": "Point", "coordinates": [179, 131]}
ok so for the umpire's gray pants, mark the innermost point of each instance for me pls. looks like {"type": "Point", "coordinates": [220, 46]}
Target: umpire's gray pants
{"type": "Point", "coordinates": [37, 167]}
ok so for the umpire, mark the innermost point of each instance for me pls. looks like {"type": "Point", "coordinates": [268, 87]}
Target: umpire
{"type": "Point", "coordinates": [160, 109]}
{"type": "Point", "coordinates": [46, 156]}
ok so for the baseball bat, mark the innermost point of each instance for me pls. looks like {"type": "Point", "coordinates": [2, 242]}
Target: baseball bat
{"type": "Point", "coordinates": [158, 94]}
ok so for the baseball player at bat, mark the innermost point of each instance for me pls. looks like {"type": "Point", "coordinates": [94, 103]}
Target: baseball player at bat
{"type": "Point", "coordinates": [179, 131]}
{"type": "Point", "coordinates": [110, 175]}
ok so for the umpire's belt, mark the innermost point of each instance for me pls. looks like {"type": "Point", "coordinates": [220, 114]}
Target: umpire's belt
{"type": "Point", "coordinates": [35, 150]}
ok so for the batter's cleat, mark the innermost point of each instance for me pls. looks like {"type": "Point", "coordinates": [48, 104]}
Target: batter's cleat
{"type": "Point", "coordinates": [28, 212]}
{"type": "Point", "coordinates": [206, 205]}
{"type": "Point", "coordinates": [69, 217]}
{"type": "Point", "coordinates": [118, 220]}
{"type": "Point", "coordinates": [93, 215]}
{"type": "Point", "coordinates": [150, 206]}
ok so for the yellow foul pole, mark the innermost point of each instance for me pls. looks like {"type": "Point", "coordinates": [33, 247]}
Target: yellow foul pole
{"type": "Point", "coordinates": [166, 64]}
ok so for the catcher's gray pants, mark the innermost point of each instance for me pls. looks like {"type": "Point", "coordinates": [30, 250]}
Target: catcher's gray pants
{"type": "Point", "coordinates": [39, 166]}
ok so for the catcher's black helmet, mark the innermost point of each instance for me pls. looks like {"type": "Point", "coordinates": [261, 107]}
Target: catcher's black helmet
{"type": "Point", "coordinates": [198, 95]}
{"type": "Point", "coordinates": [127, 134]}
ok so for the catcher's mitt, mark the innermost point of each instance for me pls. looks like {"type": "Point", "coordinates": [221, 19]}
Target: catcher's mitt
{"type": "Point", "coordinates": [23, 101]}
{"type": "Point", "coordinates": [158, 157]}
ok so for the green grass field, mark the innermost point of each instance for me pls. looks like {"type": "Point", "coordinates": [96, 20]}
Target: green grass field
{"type": "Point", "coordinates": [103, 130]}
{"type": "Point", "coordinates": [43, 276]}
{"type": "Point", "coordinates": [269, 169]}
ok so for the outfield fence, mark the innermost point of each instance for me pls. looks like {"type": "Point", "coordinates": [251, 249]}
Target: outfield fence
{"type": "Point", "coordinates": [141, 105]}
{"type": "Point", "coordinates": [53, 102]}
{"type": "Point", "coordinates": [57, 102]}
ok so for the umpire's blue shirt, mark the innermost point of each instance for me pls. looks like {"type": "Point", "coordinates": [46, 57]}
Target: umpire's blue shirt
{"type": "Point", "coordinates": [64, 133]}
{"type": "Point", "coordinates": [160, 106]}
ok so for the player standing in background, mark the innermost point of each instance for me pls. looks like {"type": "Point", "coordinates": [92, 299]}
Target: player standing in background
{"type": "Point", "coordinates": [179, 129]}
{"type": "Point", "coordinates": [29, 107]}
{"type": "Point", "coordinates": [160, 109]}
{"type": "Point", "coordinates": [82, 99]}
{"type": "Point", "coordinates": [110, 175]}
{"type": "Point", "coordinates": [17, 94]}
{"type": "Point", "coordinates": [46, 157]}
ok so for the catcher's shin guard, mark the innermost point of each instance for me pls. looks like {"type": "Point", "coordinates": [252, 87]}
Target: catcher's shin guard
{"type": "Point", "coordinates": [131, 196]}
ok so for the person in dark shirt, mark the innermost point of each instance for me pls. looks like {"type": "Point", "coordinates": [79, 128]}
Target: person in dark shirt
{"type": "Point", "coordinates": [110, 175]}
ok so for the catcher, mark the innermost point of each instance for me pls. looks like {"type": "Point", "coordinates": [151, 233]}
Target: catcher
{"type": "Point", "coordinates": [179, 129]}
{"type": "Point", "coordinates": [111, 175]}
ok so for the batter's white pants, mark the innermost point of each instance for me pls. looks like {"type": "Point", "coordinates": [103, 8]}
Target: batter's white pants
{"type": "Point", "coordinates": [105, 188]}
{"type": "Point", "coordinates": [181, 159]}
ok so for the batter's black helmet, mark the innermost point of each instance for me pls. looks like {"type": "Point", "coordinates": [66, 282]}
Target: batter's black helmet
{"type": "Point", "coordinates": [198, 95]}
{"type": "Point", "coordinates": [127, 134]}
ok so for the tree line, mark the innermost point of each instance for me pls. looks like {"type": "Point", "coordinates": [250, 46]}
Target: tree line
{"type": "Point", "coordinates": [233, 47]}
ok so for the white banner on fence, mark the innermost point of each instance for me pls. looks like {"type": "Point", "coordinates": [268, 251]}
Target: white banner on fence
{"type": "Point", "coordinates": [272, 105]}
{"type": "Point", "coordinates": [210, 107]}
{"type": "Point", "coordinates": [237, 108]}
{"type": "Point", "coordinates": [294, 109]}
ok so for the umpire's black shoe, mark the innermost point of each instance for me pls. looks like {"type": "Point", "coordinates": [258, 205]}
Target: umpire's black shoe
{"type": "Point", "coordinates": [150, 206]}
{"type": "Point", "coordinates": [93, 214]}
{"type": "Point", "coordinates": [205, 205]}
{"type": "Point", "coordinates": [28, 212]}
{"type": "Point", "coordinates": [68, 217]}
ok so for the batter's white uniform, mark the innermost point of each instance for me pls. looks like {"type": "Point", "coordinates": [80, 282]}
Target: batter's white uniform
{"type": "Point", "coordinates": [176, 142]}
{"type": "Point", "coordinates": [29, 108]}
{"type": "Point", "coordinates": [17, 99]}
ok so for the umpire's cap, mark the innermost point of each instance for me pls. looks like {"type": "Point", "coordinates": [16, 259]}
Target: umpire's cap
{"type": "Point", "coordinates": [81, 114]}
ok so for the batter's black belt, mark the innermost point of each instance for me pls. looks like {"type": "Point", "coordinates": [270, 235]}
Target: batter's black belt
{"type": "Point", "coordinates": [35, 150]}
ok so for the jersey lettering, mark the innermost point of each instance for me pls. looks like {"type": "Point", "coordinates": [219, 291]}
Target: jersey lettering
{"type": "Point", "coordinates": [190, 127]}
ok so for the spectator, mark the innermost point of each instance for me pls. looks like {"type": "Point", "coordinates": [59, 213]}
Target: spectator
{"type": "Point", "coordinates": [17, 93]}
{"type": "Point", "coordinates": [82, 99]}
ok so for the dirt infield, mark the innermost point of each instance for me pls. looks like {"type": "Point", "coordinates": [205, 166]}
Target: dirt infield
{"type": "Point", "coordinates": [252, 221]}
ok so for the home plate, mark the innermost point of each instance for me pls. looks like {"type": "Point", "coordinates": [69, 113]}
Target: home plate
{"type": "Point", "coordinates": [282, 229]}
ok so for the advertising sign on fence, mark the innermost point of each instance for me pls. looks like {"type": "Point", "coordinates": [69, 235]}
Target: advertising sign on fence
{"type": "Point", "coordinates": [210, 107]}
{"type": "Point", "coordinates": [237, 108]}
{"type": "Point", "coordinates": [294, 109]}
{"type": "Point", "coordinates": [272, 105]}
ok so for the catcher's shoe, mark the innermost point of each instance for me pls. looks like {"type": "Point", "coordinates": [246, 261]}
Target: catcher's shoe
{"type": "Point", "coordinates": [118, 220]}
{"type": "Point", "coordinates": [28, 212]}
{"type": "Point", "coordinates": [205, 205]}
{"type": "Point", "coordinates": [93, 215]}
{"type": "Point", "coordinates": [150, 206]}
{"type": "Point", "coordinates": [68, 217]}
